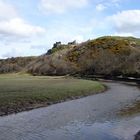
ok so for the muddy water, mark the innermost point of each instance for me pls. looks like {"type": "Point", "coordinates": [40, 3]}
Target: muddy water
{"type": "Point", "coordinates": [91, 118]}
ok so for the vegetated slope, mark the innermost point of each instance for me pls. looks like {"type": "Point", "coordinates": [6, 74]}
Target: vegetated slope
{"type": "Point", "coordinates": [112, 56]}
{"type": "Point", "coordinates": [14, 64]}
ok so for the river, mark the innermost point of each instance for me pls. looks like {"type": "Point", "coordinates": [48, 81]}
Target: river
{"type": "Point", "coordinates": [94, 117]}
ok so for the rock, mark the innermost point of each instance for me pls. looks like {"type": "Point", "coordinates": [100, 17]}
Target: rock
{"type": "Point", "coordinates": [72, 43]}
{"type": "Point", "coordinates": [137, 136]}
{"type": "Point", "coordinates": [57, 44]}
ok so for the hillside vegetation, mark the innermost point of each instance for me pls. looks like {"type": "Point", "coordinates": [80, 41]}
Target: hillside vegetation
{"type": "Point", "coordinates": [108, 56]}
{"type": "Point", "coordinates": [112, 56]}
{"type": "Point", "coordinates": [11, 65]}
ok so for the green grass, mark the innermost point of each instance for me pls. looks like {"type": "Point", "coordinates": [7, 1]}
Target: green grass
{"type": "Point", "coordinates": [22, 92]}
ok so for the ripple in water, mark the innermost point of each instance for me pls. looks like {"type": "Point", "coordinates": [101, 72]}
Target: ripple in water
{"type": "Point", "coordinates": [115, 130]}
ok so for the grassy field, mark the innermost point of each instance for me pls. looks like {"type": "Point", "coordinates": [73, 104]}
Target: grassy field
{"type": "Point", "coordinates": [25, 92]}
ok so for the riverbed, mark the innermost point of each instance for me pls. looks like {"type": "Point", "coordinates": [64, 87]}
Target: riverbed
{"type": "Point", "coordinates": [94, 117]}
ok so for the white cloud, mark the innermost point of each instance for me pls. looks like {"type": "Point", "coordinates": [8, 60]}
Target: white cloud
{"type": "Point", "coordinates": [18, 27]}
{"type": "Point", "coordinates": [11, 53]}
{"type": "Point", "coordinates": [7, 11]}
{"type": "Point", "coordinates": [107, 5]}
{"type": "Point", "coordinates": [13, 27]}
{"type": "Point", "coordinates": [79, 38]}
{"type": "Point", "coordinates": [127, 21]}
{"type": "Point", "coordinates": [100, 7]}
{"type": "Point", "coordinates": [60, 6]}
{"type": "Point", "coordinates": [17, 35]}
{"type": "Point", "coordinates": [123, 34]}
{"type": "Point", "coordinates": [115, 1]}
{"type": "Point", "coordinates": [15, 49]}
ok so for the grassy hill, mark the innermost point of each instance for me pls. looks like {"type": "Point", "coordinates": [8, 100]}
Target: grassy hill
{"type": "Point", "coordinates": [109, 55]}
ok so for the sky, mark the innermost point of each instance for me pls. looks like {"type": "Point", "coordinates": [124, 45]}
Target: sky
{"type": "Point", "coordinates": [30, 27]}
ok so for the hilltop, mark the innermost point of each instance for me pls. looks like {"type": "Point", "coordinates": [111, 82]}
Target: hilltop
{"type": "Point", "coordinates": [108, 56]}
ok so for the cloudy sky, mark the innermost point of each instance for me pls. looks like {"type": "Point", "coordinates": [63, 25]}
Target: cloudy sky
{"type": "Point", "coordinates": [30, 27]}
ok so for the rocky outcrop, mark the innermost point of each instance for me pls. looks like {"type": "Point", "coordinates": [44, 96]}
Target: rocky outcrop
{"type": "Point", "coordinates": [137, 136]}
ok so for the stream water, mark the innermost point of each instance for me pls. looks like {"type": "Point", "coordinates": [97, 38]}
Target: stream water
{"type": "Point", "coordinates": [94, 117]}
